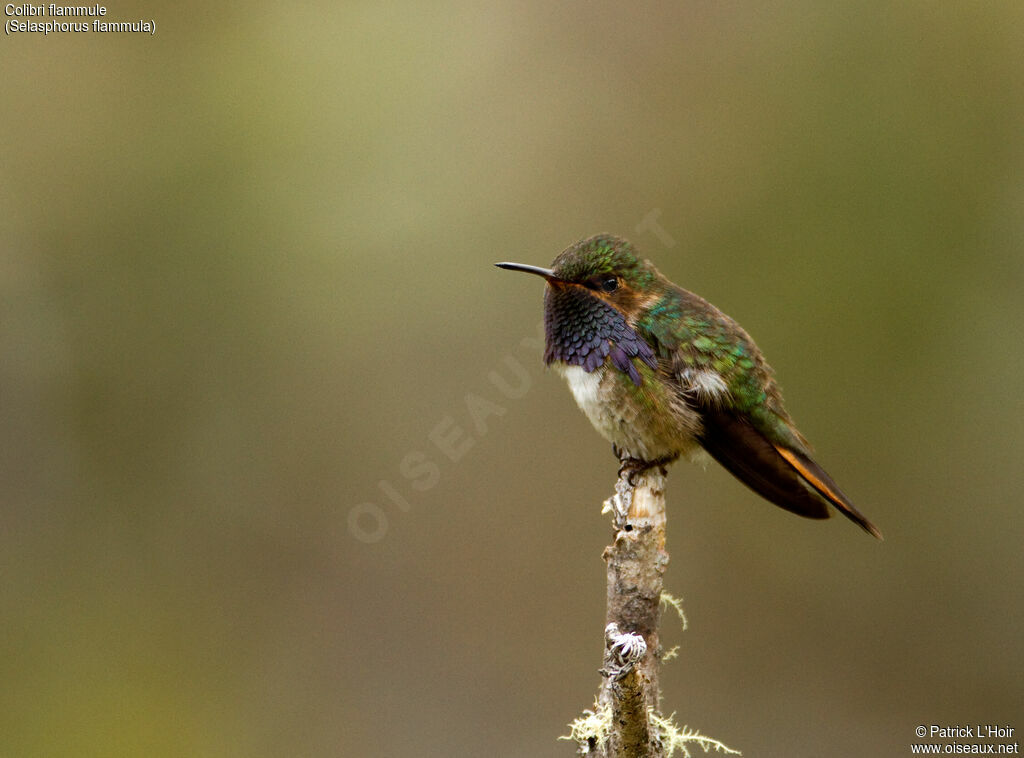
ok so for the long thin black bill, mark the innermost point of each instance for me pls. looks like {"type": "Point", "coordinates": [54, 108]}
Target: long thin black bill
{"type": "Point", "coordinates": [545, 272]}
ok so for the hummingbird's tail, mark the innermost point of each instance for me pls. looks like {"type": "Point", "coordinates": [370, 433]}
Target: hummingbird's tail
{"type": "Point", "coordinates": [785, 476]}
{"type": "Point", "coordinates": [815, 475]}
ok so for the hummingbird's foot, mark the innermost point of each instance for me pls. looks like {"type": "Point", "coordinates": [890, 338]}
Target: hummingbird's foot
{"type": "Point", "coordinates": [630, 467]}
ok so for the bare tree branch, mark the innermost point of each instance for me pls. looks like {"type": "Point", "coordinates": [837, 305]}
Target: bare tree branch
{"type": "Point", "coordinates": [636, 562]}
{"type": "Point", "coordinates": [626, 721]}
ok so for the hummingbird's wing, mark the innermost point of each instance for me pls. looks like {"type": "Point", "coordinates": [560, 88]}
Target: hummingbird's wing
{"type": "Point", "coordinates": [782, 474]}
{"type": "Point", "coordinates": [748, 455]}
{"type": "Point", "coordinates": [745, 426]}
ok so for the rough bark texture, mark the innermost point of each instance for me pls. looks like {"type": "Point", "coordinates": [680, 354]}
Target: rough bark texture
{"type": "Point", "coordinates": [636, 567]}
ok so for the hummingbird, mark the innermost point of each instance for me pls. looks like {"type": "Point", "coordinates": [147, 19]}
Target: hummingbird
{"type": "Point", "coordinates": [662, 373]}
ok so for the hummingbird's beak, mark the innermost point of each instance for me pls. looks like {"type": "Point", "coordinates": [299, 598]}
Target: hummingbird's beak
{"type": "Point", "coordinates": [545, 272]}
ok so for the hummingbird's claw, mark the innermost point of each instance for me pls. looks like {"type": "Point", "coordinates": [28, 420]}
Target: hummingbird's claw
{"type": "Point", "coordinates": [630, 467]}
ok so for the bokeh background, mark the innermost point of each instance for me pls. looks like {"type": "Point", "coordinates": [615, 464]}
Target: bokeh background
{"type": "Point", "coordinates": [246, 277]}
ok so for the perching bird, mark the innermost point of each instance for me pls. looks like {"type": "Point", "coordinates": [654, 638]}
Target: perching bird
{"type": "Point", "coordinates": [660, 373]}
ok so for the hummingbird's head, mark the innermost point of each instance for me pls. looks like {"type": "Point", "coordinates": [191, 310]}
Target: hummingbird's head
{"type": "Point", "coordinates": [597, 289]}
{"type": "Point", "coordinates": [607, 268]}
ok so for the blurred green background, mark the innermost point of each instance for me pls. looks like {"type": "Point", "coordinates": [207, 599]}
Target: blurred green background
{"type": "Point", "coordinates": [246, 277]}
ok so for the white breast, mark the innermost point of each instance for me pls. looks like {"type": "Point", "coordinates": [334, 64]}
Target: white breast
{"type": "Point", "coordinates": [661, 432]}
{"type": "Point", "coordinates": [585, 387]}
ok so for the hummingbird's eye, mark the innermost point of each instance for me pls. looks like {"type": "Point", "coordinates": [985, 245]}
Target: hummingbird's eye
{"type": "Point", "coordinates": [609, 283]}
